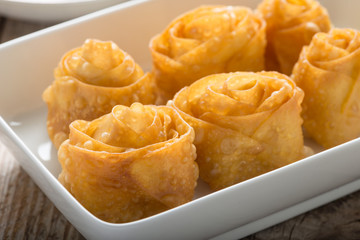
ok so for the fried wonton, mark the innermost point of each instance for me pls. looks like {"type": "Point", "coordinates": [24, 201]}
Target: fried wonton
{"type": "Point", "coordinates": [246, 124]}
{"type": "Point", "coordinates": [206, 40]}
{"type": "Point", "coordinates": [89, 81]}
{"type": "Point", "coordinates": [328, 72]}
{"type": "Point", "coordinates": [129, 164]}
{"type": "Point", "coordinates": [290, 24]}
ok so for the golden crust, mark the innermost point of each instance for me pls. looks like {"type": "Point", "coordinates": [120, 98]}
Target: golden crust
{"type": "Point", "coordinates": [290, 25]}
{"type": "Point", "coordinates": [89, 81]}
{"type": "Point", "coordinates": [245, 124]}
{"type": "Point", "coordinates": [328, 72]}
{"type": "Point", "coordinates": [131, 163]}
{"type": "Point", "coordinates": [206, 40]}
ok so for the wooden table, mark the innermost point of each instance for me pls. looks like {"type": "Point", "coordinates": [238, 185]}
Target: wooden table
{"type": "Point", "coordinates": [26, 213]}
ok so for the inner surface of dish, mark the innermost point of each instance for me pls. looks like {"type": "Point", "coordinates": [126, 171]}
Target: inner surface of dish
{"type": "Point", "coordinates": [28, 122]}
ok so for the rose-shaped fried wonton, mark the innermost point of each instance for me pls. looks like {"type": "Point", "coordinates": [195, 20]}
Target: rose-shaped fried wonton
{"type": "Point", "coordinates": [89, 81]}
{"type": "Point", "coordinates": [328, 72]}
{"type": "Point", "coordinates": [290, 24]}
{"type": "Point", "coordinates": [206, 40]}
{"type": "Point", "coordinates": [131, 163]}
{"type": "Point", "coordinates": [245, 124]}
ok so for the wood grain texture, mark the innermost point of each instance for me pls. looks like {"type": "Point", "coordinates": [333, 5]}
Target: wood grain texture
{"type": "Point", "coordinates": [26, 213]}
{"type": "Point", "coordinates": [338, 220]}
{"type": "Point", "coordinates": [12, 28]}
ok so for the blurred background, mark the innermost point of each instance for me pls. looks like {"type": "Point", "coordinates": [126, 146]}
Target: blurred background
{"type": "Point", "coordinates": [20, 17]}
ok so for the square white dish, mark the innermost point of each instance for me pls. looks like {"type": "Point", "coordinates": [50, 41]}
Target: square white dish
{"type": "Point", "coordinates": [27, 65]}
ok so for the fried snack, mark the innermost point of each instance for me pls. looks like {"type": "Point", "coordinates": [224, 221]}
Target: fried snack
{"type": "Point", "coordinates": [206, 40]}
{"type": "Point", "coordinates": [246, 124]}
{"type": "Point", "coordinates": [89, 81]}
{"type": "Point", "coordinates": [290, 25]}
{"type": "Point", "coordinates": [328, 72]}
{"type": "Point", "coordinates": [129, 164]}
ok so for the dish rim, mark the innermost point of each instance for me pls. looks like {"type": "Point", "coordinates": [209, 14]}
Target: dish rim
{"type": "Point", "coordinates": [17, 140]}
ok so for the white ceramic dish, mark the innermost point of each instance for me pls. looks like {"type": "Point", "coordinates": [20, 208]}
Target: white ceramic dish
{"type": "Point", "coordinates": [27, 65]}
{"type": "Point", "coordinates": [52, 10]}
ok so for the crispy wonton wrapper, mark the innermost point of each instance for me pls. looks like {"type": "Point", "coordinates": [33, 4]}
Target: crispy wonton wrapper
{"type": "Point", "coordinates": [328, 72]}
{"type": "Point", "coordinates": [290, 25]}
{"type": "Point", "coordinates": [206, 40]}
{"type": "Point", "coordinates": [245, 124]}
{"type": "Point", "coordinates": [131, 163]}
{"type": "Point", "coordinates": [89, 81]}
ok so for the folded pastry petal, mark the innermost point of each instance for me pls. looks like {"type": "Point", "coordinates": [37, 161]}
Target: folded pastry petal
{"type": "Point", "coordinates": [328, 72]}
{"type": "Point", "coordinates": [290, 25]}
{"type": "Point", "coordinates": [129, 164]}
{"type": "Point", "coordinates": [89, 81]}
{"type": "Point", "coordinates": [206, 40]}
{"type": "Point", "coordinates": [245, 124]}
